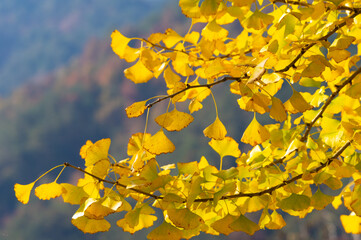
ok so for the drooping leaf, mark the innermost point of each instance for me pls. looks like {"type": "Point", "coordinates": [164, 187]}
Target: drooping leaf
{"type": "Point", "coordinates": [22, 192]}
{"type": "Point", "coordinates": [255, 133]}
{"type": "Point", "coordinates": [49, 190]}
{"type": "Point", "coordinates": [216, 130]}
{"type": "Point", "coordinates": [174, 120]}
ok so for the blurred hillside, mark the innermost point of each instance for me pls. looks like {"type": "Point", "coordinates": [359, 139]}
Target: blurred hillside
{"type": "Point", "coordinates": [39, 36]}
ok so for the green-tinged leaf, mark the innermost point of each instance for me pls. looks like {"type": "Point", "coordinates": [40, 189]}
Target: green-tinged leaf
{"type": "Point", "coordinates": [319, 200]}
{"type": "Point", "coordinates": [245, 225]}
{"type": "Point", "coordinates": [165, 231]}
{"type": "Point", "coordinates": [73, 194]}
{"type": "Point", "coordinates": [174, 120]}
{"type": "Point", "coordinates": [137, 219]}
{"type": "Point", "coordinates": [223, 225]}
{"type": "Point", "coordinates": [295, 202]}
{"type": "Point", "coordinates": [227, 174]}
{"type": "Point", "coordinates": [88, 225]}
{"type": "Point", "coordinates": [184, 218]}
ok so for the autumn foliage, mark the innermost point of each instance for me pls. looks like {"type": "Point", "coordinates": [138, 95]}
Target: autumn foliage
{"type": "Point", "coordinates": [307, 50]}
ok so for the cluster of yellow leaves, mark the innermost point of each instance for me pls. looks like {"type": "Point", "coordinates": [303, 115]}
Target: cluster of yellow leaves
{"type": "Point", "coordinates": [284, 65]}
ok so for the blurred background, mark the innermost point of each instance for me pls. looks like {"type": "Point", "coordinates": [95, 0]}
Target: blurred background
{"type": "Point", "coordinates": [60, 85]}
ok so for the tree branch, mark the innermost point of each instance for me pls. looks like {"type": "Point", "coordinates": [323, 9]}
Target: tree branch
{"type": "Point", "coordinates": [224, 79]}
{"type": "Point", "coordinates": [327, 103]}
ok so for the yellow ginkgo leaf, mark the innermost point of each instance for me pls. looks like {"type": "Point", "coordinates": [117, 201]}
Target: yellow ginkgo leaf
{"type": "Point", "coordinates": [295, 202]}
{"type": "Point", "coordinates": [88, 225]}
{"type": "Point", "coordinates": [255, 133]}
{"type": "Point", "coordinates": [170, 77]}
{"type": "Point", "coordinates": [174, 120]}
{"type": "Point", "coordinates": [73, 194]}
{"type": "Point", "coordinates": [136, 109]}
{"type": "Point", "coordinates": [84, 149]}
{"type": "Point", "coordinates": [319, 200]}
{"type": "Point", "coordinates": [138, 73]}
{"type": "Point", "coordinates": [297, 103]}
{"type": "Point", "coordinates": [165, 231]}
{"type": "Point", "coordinates": [351, 223]}
{"type": "Point", "coordinates": [171, 38]}
{"type": "Point", "coordinates": [22, 192]}
{"type": "Point", "coordinates": [258, 20]}
{"type": "Point", "coordinates": [136, 141]}
{"type": "Point", "coordinates": [98, 151]}
{"type": "Point", "coordinates": [137, 219]}
{"type": "Point", "coordinates": [223, 225]}
{"type": "Point", "coordinates": [245, 225]}
{"type": "Point", "coordinates": [184, 218]}
{"type": "Point", "coordinates": [194, 106]}
{"type": "Point", "coordinates": [49, 190]}
{"type": "Point", "coordinates": [278, 111]}
{"type": "Point", "coordinates": [225, 147]}
{"type": "Point", "coordinates": [159, 143]}
{"type": "Point", "coordinates": [119, 43]}
{"type": "Point", "coordinates": [213, 31]}
{"type": "Point", "coordinates": [216, 130]}
{"type": "Point", "coordinates": [209, 7]}
{"type": "Point", "coordinates": [276, 221]}
{"type": "Point", "coordinates": [102, 207]}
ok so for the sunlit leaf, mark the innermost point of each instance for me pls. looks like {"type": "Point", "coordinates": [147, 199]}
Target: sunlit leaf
{"type": "Point", "coordinates": [258, 72]}
{"type": "Point", "coordinates": [22, 192]}
{"type": "Point", "coordinates": [138, 73]}
{"type": "Point", "coordinates": [351, 223]}
{"type": "Point", "coordinates": [159, 143]}
{"type": "Point", "coordinates": [225, 147]}
{"type": "Point", "coordinates": [98, 151]}
{"type": "Point", "coordinates": [174, 120]}
{"type": "Point", "coordinates": [255, 133]}
{"type": "Point", "coordinates": [223, 225]}
{"type": "Point", "coordinates": [73, 194]}
{"type": "Point", "coordinates": [136, 109]}
{"type": "Point", "coordinates": [213, 31]}
{"type": "Point", "coordinates": [297, 103]}
{"type": "Point", "coordinates": [216, 130]}
{"type": "Point", "coordinates": [277, 111]}
{"type": "Point", "coordinates": [258, 20]}
{"type": "Point", "coordinates": [47, 191]}
{"type": "Point", "coordinates": [137, 219]}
